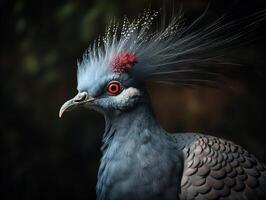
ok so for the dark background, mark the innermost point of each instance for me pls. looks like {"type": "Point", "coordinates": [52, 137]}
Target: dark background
{"type": "Point", "coordinates": [44, 157]}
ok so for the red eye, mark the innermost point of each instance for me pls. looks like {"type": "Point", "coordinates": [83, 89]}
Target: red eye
{"type": "Point", "coordinates": [113, 87]}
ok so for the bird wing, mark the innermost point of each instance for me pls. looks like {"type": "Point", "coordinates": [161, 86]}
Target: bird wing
{"type": "Point", "coordinates": [219, 169]}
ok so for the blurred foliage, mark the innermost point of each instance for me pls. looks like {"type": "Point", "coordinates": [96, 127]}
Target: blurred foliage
{"type": "Point", "coordinates": [47, 158]}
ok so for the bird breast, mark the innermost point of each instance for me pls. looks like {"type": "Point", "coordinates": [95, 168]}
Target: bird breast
{"type": "Point", "coordinates": [138, 166]}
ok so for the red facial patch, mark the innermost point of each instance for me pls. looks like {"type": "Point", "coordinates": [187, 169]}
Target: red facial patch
{"type": "Point", "coordinates": [123, 62]}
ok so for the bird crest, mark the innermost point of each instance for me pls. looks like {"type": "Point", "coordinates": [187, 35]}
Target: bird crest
{"type": "Point", "coordinates": [174, 52]}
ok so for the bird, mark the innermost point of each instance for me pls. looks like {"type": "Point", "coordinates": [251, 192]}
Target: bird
{"type": "Point", "coordinates": [140, 160]}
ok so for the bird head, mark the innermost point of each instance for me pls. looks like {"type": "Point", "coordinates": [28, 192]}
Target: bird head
{"type": "Point", "coordinates": [105, 84]}
{"type": "Point", "coordinates": [113, 70]}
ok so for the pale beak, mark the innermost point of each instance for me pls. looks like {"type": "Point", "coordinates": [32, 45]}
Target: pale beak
{"type": "Point", "coordinates": [80, 99]}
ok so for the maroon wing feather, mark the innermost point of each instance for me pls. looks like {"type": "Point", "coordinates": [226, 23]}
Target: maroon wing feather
{"type": "Point", "coordinates": [219, 169]}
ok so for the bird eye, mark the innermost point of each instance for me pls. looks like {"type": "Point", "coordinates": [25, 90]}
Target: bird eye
{"type": "Point", "coordinates": [114, 87]}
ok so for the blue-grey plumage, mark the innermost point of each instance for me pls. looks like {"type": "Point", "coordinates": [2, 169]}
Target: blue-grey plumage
{"type": "Point", "coordinates": [141, 160]}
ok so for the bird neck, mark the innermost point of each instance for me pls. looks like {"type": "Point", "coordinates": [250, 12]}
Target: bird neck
{"type": "Point", "coordinates": [133, 145]}
{"type": "Point", "coordinates": [142, 111]}
{"type": "Point", "coordinates": [130, 123]}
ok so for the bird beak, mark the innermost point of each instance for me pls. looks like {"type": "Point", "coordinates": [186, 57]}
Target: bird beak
{"type": "Point", "coordinates": [80, 99]}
